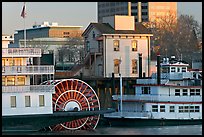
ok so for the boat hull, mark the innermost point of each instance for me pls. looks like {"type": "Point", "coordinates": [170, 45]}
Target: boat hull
{"type": "Point", "coordinates": [129, 122]}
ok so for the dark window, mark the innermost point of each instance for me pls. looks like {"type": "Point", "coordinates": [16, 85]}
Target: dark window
{"type": "Point", "coordinates": [177, 92]}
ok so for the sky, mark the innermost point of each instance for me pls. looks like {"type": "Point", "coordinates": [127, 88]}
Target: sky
{"type": "Point", "coordinates": [67, 13]}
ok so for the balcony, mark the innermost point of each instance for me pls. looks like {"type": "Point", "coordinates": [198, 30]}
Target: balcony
{"type": "Point", "coordinates": [27, 70]}
{"type": "Point", "coordinates": [21, 52]}
{"type": "Point", "coordinates": [158, 98]}
{"type": "Point", "coordinates": [28, 88]}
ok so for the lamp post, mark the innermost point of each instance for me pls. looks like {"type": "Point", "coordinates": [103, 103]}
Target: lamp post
{"type": "Point", "coordinates": [120, 88]}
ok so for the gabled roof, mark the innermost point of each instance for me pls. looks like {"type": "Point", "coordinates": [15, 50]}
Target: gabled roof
{"type": "Point", "coordinates": [106, 28]}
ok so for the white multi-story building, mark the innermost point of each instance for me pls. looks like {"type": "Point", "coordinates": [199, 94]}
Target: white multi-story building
{"type": "Point", "coordinates": [114, 46]}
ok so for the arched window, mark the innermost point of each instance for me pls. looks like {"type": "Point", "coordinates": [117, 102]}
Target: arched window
{"type": "Point", "coordinates": [116, 66]}
{"type": "Point", "coordinates": [134, 66]}
{"type": "Point", "coordinates": [134, 45]}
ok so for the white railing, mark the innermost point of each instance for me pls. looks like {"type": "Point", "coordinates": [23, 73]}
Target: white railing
{"type": "Point", "coordinates": [174, 75]}
{"type": "Point", "coordinates": [160, 97]}
{"type": "Point", "coordinates": [150, 81]}
{"type": "Point", "coordinates": [42, 69]}
{"type": "Point", "coordinates": [28, 88]}
{"type": "Point", "coordinates": [10, 52]}
{"type": "Point", "coordinates": [143, 114]}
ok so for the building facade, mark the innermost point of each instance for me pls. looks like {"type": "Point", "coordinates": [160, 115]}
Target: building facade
{"type": "Point", "coordinates": [143, 11]}
{"type": "Point", "coordinates": [114, 46]}
{"type": "Point", "coordinates": [49, 30]}
{"type": "Point", "coordinates": [6, 40]}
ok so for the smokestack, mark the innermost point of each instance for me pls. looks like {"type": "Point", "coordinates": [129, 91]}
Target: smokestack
{"type": "Point", "coordinates": [158, 70]}
{"type": "Point", "coordinates": [140, 65]}
{"type": "Point", "coordinates": [129, 8]}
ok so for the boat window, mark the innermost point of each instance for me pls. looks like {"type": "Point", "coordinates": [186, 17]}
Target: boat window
{"type": "Point", "coordinates": [198, 92]}
{"type": "Point", "coordinates": [13, 101]}
{"type": "Point", "coordinates": [171, 109]}
{"type": "Point", "coordinates": [181, 109]}
{"type": "Point", "coordinates": [178, 69]}
{"type": "Point", "coordinates": [27, 101]}
{"type": "Point", "coordinates": [192, 92]}
{"type": "Point", "coordinates": [197, 109]}
{"type": "Point", "coordinates": [185, 92]}
{"type": "Point", "coordinates": [177, 92]}
{"type": "Point", "coordinates": [20, 80]}
{"type": "Point", "coordinates": [186, 108]}
{"type": "Point", "coordinates": [10, 80]}
{"type": "Point", "coordinates": [183, 69]}
{"type": "Point", "coordinates": [154, 108]}
{"type": "Point", "coordinates": [3, 80]}
{"type": "Point", "coordinates": [145, 90]}
{"type": "Point", "coordinates": [41, 100]}
{"type": "Point", "coordinates": [162, 108]}
{"type": "Point", "coordinates": [192, 108]}
{"type": "Point", "coordinates": [173, 69]}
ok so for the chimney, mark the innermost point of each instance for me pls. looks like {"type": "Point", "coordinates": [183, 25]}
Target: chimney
{"type": "Point", "coordinates": [158, 70]}
{"type": "Point", "coordinates": [140, 65]}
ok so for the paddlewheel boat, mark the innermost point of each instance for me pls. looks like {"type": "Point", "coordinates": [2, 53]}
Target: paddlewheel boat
{"type": "Point", "coordinates": [33, 100]}
{"type": "Point", "coordinates": [172, 96]}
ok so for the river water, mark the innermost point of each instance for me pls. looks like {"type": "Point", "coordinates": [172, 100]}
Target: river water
{"type": "Point", "coordinates": [154, 130]}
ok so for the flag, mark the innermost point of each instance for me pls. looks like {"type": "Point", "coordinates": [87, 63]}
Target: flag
{"type": "Point", "coordinates": [23, 13]}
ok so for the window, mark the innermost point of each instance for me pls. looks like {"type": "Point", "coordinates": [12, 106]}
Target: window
{"type": "Point", "coordinates": [66, 33]}
{"type": "Point", "coordinates": [192, 92]}
{"type": "Point", "coordinates": [177, 92]}
{"type": "Point", "coordinates": [185, 92]}
{"type": "Point", "coordinates": [10, 80]}
{"type": "Point", "coordinates": [173, 69]}
{"type": "Point", "coordinates": [134, 66]}
{"type": "Point", "coordinates": [116, 45]}
{"type": "Point", "coordinates": [134, 45]}
{"type": "Point", "coordinates": [93, 35]}
{"type": "Point", "coordinates": [183, 69]}
{"type": "Point", "coordinates": [162, 108]}
{"type": "Point", "coordinates": [191, 108]}
{"type": "Point", "coordinates": [3, 80]}
{"type": "Point", "coordinates": [27, 101]}
{"type": "Point", "coordinates": [178, 69]}
{"type": "Point", "coordinates": [197, 92]}
{"type": "Point", "coordinates": [116, 66]}
{"type": "Point", "coordinates": [41, 100]}
{"type": "Point", "coordinates": [154, 108]}
{"type": "Point", "coordinates": [145, 90]}
{"type": "Point", "coordinates": [88, 46]}
{"type": "Point", "coordinates": [197, 108]}
{"type": "Point", "coordinates": [186, 108]}
{"type": "Point", "coordinates": [171, 109]}
{"type": "Point", "coordinates": [181, 109]}
{"type": "Point", "coordinates": [20, 80]}
{"type": "Point", "coordinates": [13, 101]}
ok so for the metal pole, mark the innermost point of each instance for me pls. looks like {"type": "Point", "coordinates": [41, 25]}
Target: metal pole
{"type": "Point", "coordinates": [121, 91]}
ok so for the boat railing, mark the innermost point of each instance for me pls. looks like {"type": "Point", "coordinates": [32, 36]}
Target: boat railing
{"type": "Point", "coordinates": [28, 88]}
{"type": "Point", "coordinates": [7, 52]}
{"type": "Point", "coordinates": [159, 97]}
{"type": "Point", "coordinates": [150, 81]}
{"type": "Point", "coordinates": [34, 69]}
{"type": "Point", "coordinates": [130, 114]}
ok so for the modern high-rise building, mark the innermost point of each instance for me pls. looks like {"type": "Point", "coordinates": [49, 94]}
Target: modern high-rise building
{"type": "Point", "coordinates": [143, 11]}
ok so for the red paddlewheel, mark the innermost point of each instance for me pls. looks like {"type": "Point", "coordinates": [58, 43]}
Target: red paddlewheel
{"type": "Point", "coordinates": [75, 95]}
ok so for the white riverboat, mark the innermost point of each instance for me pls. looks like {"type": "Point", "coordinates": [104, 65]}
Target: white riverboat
{"type": "Point", "coordinates": [33, 100]}
{"type": "Point", "coordinates": [172, 96]}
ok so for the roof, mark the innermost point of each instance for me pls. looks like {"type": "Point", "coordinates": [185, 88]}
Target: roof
{"type": "Point", "coordinates": [106, 28]}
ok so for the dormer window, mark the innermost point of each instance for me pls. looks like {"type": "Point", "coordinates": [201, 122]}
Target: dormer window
{"type": "Point", "coordinates": [93, 34]}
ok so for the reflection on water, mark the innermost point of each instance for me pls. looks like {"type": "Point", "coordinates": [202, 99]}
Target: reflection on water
{"type": "Point", "coordinates": [155, 130]}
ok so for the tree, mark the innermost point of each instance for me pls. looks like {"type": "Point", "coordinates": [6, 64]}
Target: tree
{"type": "Point", "coordinates": [175, 36]}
